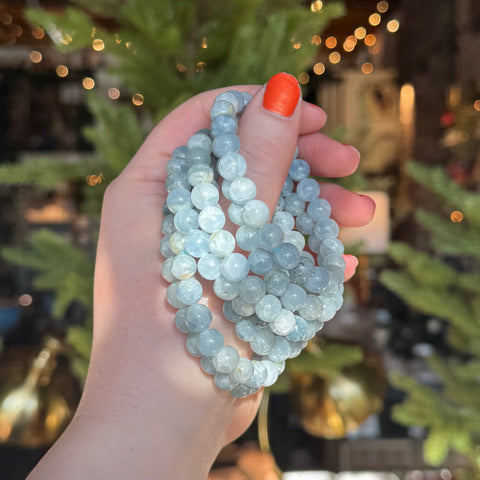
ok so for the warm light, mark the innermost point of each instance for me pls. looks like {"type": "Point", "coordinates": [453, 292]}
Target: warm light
{"type": "Point", "coordinates": [94, 31]}
{"type": "Point", "coordinates": [407, 104]}
{"type": "Point", "coordinates": [374, 19]}
{"type": "Point", "coordinates": [25, 300]}
{"type": "Point", "coordinates": [360, 32]}
{"type": "Point", "coordinates": [331, 42]}
{"type": "Point", "coordinates": [296, 45]}
{"type": "Point", "coordinates": [35, 57]}
{"type": "Point", "coordinates": [93, 180]}
{"type": "Point", "coordinates": [304, 78]}
{"type": "Point", "coordinates": [88, 83]}
{"type": "Point", "coordinates": [316, 6]}
{"type": "Point", "coordinates": [128, 44]}
{"type": "Point", "coordinates": [316, 40]}
{"type": "Point", "coordinates": [374, 49]}
{"type": "Point", "coordinates": [348, 47]}
{"type": "Point", "coordinates": [38, 33]}
{"type": "Point", "coordinates": [393, 25]}
{"type": "Point", "coordinates": [16, 30]}
{"type": "Point", "coordinates": [476, 105]}
{"type": "Point", "coordinates": [62, 71]}
{"type": "Point", "coordinates": [200, 67]}
{"type": "Point", "coordinates": [181, 68]}
{"type": "Point", "coordinates": [334, 57]}
{"type": "Point", "coordinates": [370, 40]}
{"type": "Point", "coordinates": [204, 43]}
{"type": "Point", "coordinates": [118, 40]}
{"type": "Point", "coordinates": [113, 93]}
{"type": "Point", "coordinates": [66, 39]}
{"type": "Point", "coordinates": [98, 45]}
{"type": "Point", "coordinates": [382, 7]}
{"type": "Point", "coordinates": [367, 68]}
{"type": "Point", "coordinates": [319, 68]}
{"type": "Point", "coordinates": [137, 99]}
{"type": "Point", "coordinates": [456, 216]}
{"type": "Point", "coordinates": [6, 18]}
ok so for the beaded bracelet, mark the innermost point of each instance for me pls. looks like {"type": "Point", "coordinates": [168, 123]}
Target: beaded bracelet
{"type": "Point", "coordinates": [277, 296]}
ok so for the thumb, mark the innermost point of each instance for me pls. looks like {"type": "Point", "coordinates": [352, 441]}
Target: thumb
{"type": "Point", "coordinates": [268, 132]}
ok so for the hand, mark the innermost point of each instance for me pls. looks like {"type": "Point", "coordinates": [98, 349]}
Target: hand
{"type": "Point", "coordinates": [148, 410]}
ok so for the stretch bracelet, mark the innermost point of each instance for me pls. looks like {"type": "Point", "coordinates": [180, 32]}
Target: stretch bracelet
{"type": "Point", "coordinates": [277, 294]}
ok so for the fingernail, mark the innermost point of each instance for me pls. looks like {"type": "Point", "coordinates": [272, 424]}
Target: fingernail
{"type": "Point", "coordinates": [281, 94]}
{"type": "Point", "coordinates": [352, 147]}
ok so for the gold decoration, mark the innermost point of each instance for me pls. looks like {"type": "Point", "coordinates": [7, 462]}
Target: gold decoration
{"type": "Point", "coordinates": [331, 407]}
{"type": "Point", "coordinates": [35, 408]}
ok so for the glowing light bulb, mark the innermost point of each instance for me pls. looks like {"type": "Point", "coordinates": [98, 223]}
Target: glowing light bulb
{"type": "Point", "coordinates": [360, 33]}
{"type": "Point", "coordinates": [316, 6]}
{"type": "Point", "coordinates": [98, 45]}
{"type": "Point", "coordinates": [393, 25]}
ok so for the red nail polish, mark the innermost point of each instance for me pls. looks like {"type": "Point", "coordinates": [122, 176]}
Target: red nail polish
{"type": "Point", "coordinates": [281, 94]}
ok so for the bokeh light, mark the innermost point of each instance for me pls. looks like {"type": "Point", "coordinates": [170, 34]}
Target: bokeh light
{"type": "Point", "coordinates": [88, 83]}
{"type": "Point", "coordinates": [334, 57]}
{"type": "Point", "coordinates": [98, 45]}
{"type": "Point", "coordinates": [204, 43]}
{"type": "Point", "coordinates": [331, 42]}
{"type": "Point", "coordinates": [35, 56]}
{"type": "Point", "coordinates": [316, 40]}
{"type": "Point", "coordinates": [360, 33]}
{"type": "Point", "coordinates": [25, 300]}
{"type": "Point", "coordinates": [138, 99]}
{"type": "Point", "coordinates": [393, 25]}
{"type": "Point", "coordinates": [382, 7]}
{"type": "Point", "coordinates": [456, 216]}
{"type": "Point", "coordinates": [319, 68]}
{"type": "Point", "coordinates": [62, 71]}
{"type": "Point", "coordinates": [374, 19]}
{"type": "Point", "coordinates": [367, 68]}
{"type": "Point", "coordinates": [476, 105]}
{"type": "Point", "coordinates": [113, 93]}
{"type": "Point", "coordinates": [316, 6]}
{"type": "Point", "coordinates": [303, 78]}
{"type": "Point", "coordinates": [370, 40]}
{"type": "Point", "coordinates": [38, 33]}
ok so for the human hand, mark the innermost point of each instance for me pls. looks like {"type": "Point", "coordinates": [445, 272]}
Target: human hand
{"type": "Point", "coordinates": [147, 403]}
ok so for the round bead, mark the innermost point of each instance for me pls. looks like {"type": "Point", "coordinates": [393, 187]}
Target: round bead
{"type": "Point", "coordinates": [243, 371]}
{"type": "Point", "coordinates": [299, 331]}
{"type": "Point", "coordinates": [226, 360]}
{"type": "Point", "coordinates": [177, 199]}
{"type": "Point", "coordinates": [204, 194]}
{"type": "Point", "coordinates": [277, 282]}
{"type": "Point", "coordinates": [168, 226]}
{"type": "Point", "coordinates": [224, 382]}
{"type": "Point", "coordinates": [177, 165]}
{"type": "Point", "coordinates": [252, 289]}
{"type": "Point", "coordinates": [259, 374]}
{"type": "Point", "coordinates": [281, 350]}
{"type": "Point", "coordinates": [184, 266]}
{"type": "Point", "coordinates": [234, 267]}
{"type": "Point", "coordinates": [231, 166]}
{"type": "Point", "coordinates": [235, 213]}
{"type": "Point", "coordinates": [299, 170]}
{"type": "Point", "coordinates": [198, 317]}
{"type": "Point", "coordinates": [172, 296]}
{"type": "Point", "coordinates": [260, 261]}
{"type": "Point", "coordinates": [209, 342]}
{"type": "Point", "coordinates": [209, 266]}
{"type": "Point", "coordinates": [255, 213]}
{"type": "Point", "coordinates": [225, 289]}
{"type": "Point", "coordinates": [211, 218]}
{"type": "Point", "coordinates": [242, 307]}
{"type": "Point", "coordinates": [293, 204]}
{"type": "Point", "coordinates": [308, 189]}
{"type": "Point", "coordinates": [197, 243]}
{"type": "Point", "coordinates": [207, 365]}
{"type": "Point", "coordinates": [245, 330]}
{"type": "Point", "coordinates": [180, 320]}
{"type": "Point", "coordinates": [286, 256]}
{"type": "Point", "coordinates": [294, 298]}
{"type": "Point", "coordinates": [284, 323]}
{"type": "Point", "coordinates": [189, 291]}
{"type": "Point", "coordinates": [318, 281]}
{"type": "Point", "coordinates": [167, 270]}
{"type": "Point", "coordinates": [327, 228]}
{"type": "Point", "coordinates": [200, 173]}
{"type": "Point", "coordinates": [222, 107]}
{"type": "Point", "coordinates": [233, 97]}
{"type": "Point", "coordinates": [186, 220]}
{"type": "Point", "coordinates": [304, 224]}
{"type": "Point", "coordinates": [200, 140]}
{"type": "Point", "coordinates": [223, 124]}
{"type": "Point", "coordinates": [319, 209]}
{"type": "Point", "coordinates": [247, 237]}
{"type": "Point", "coordinates": [230, 314]}
{"type": "Point", "coordinates": [272, 373]}
{"type": "Point", "coordinates": [296, 238]}
{"type": "Point", "coordinates": [268, 308]}
{"type": "Point", "coordinates": [270, 236]}
{"type": "Point", "coordinates": [226, 143]}
{"type": "Point", "coordinates": [192, 344]}
{"type": "Point", "coordinates": [221, 243]}
{"type": "Point", "coordinates": [177, 242]}
{"type": "Point", "coordinates": [177, 180]}
{"type": "Point", "coordinates": [284, 220]}
{"type": "Point", "coordinates": [197, 156]}
{"type": "Point", "coordinates": [242, 190]}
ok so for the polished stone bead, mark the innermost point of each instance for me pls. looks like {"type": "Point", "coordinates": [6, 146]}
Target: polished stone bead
{"type": "Point", "coordinates": [284, 220]}
{"type": "Point", "coordinates": [268, 308]}
{"type": "Point", "coordinates": [192, 344]}
{"type": "Point", "coordinates": [308, 189]}
{"type": "Point", "coordinates": [168, 225]}
{"type": "Point", "coordinates": [224, 382]}
{"type": "Point", "coordinates": [207, 365]}
{"type": "Point", "coordinates": [243, 371]}
{"type": "Point", "coordinates": [303, 271]}
{"type": "Point", "coordinates": [200, 173]}
{"type": "Point", "coordinates": [294, 205]}
{"type": "Point", "coordinates": [247, 237]}
{"type": "Point", "coordinates": [232, 166]}
{"type": "Point", "coordinates": [284, 323]}
{"type": "Point", "coordinates": [252, 289]}
{"type": "Point", "coordinates": [211, 219]}
{"type": "Point", "coordinates": [224, 124]}
{"type": "Point", "coordinates": [180, 320]}
{"type": "Point", "coordinates": [329, 308]}
{"type": "Point", "coordinates": [242, 390]}
{"type": "Point", "coordinates": [272, 373]}
{"type": "Point", "coordinates": [242, 190]}
{"type": "Point", "coordinates": [260, 261]}
{"type": "Point", "coordinates": [226, 360]}
{"type": "Point", "coordinates": [197, 243]}
{"type": "Point", "coordinates": [314, 243]}
{"type": "Point", "coordinates": [331, 246]}
{"type": "Point", "coordinates": [200, 140]}
{"type": "Point", "coordinates": [312, 309]}
{"type": "Point", "coordinates": [209, 266]}
{"type": "Point", "coordinates": [230, 314]}
{"type": "Point", "coordinates": [263, 342]}
{"type": "Point", "coordinates": [233, 97]}
{"type": "Point", "coordinates": [204, 194]}
{"type": "Point", "coordinates": [255, 213]}
{"type": "Point", "coordinates": [186, 220]}
{"type": "Point", "coordinates": [184, 266]}
{"type": "Point", "coordinates": [270, 236]}
{"type": "Point", "coordinates": [296, 349]}
{"type": "Point", "coordinates": [177, 180]}
{"type": "Point", "coordinates": [294, 298]}
{"type": "Point", "coordinates": [280, 351]}
{"type": "Point", "coordinates": [286, 256]}
{"type": "Point", "coordinates": [327, 228]}
{"type": "Point", "coordinates": [245, 330]}
{"type": "Point", "coordinates": [299, 331]}
{"type": "Point", "coordinates": [226, 143]}
{"type": "Point", "coordinates": [180, 152]}
{"type": "Point", "coordinates": [299, 169]}
{"type": "Point", "coordinates": [295, 238]}
{"type": "Point", "coordinates": [210, 342]}
{"type": "Point", "coordinates": [177, 199]}
{"type": "Point", "coordinates": [235, 212]}
{"type": "Point", "coordinates": [172, 296]}
{"type": "Point", "coordinates": [318, 281]}
{"type": "Point", "coordinates": [277, 282]}
{"type": "Point", "coordinates": [319, 210]}
{"type": "Point", "coordinates": [259, 376]}
{"type": "Point", "coordinates": [177, 242]}
{"type": "Point", "coordinates": [198, 156]}
{"type": "Point", "coordinates": [189, 291]}
{"type": "Point", "coordinates": [287, 186]}
{"type": "Point", "coordinates": [242, 307]}
{"type": "Point", "coordinates": [304, 224]}
{"type": "Point", "coordinates": [221, 243]}
{"type": "Point", "coordinates": [222, 107]}
{"type": "Point", "coordinates": [234, 267]}
{"type": "Point", "coordinates": [165, 249]}
{"type": "Point", "coordinates": [332, 259]}
{"type": "Point", "coordinates": [167, 270]}
{"type": "Point", "coordinates": [177, 165]}
{"type": "Point", "coordinates": [225, 289]}
{"type": "Point", "coordinates": [198, 317]}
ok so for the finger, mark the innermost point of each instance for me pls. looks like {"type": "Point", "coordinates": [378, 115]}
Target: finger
{"type": "Point", "coordinates": [351, 263]}
{"type": "Point", "coordinates": [327, 157]}
{"type": "Point", "coordinates": [349, 209]}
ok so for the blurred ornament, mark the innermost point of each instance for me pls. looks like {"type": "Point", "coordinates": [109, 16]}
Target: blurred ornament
{"type": "Point", "coordinates": [38, 400]}
{"type": "Point", "coordinates": [447, 119]}
{"type": "Point", "coordinates": [330, 407]}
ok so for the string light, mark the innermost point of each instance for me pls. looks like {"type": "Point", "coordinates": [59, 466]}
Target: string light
{"type": "Point", "coordinates": [88, 83]}
{"type": "Point", "coordinates": [334, 57]}
{"type": "Point", "coordinates": [98, 45]}
{"type": "Point", "coordinates": [319, 68]}
{"type": "Point", "coordinates": [62, 71]}
{"type": "Point", "coordinates": [476, 105]}
{"type": "Point", "coordinates": [331, 42]}
{"type": "Point", "coordinates": [35, 56]}
{"type": "Point", "coordinates": [382, 7]}
{"type": "Point", "coordinates": [38, 33]}
{"type": "Point", "coordinates": [370, 40]}
{"type": "Point", "coordinates": [360, 33]}
{"type": "Point", "coordinates": [367, 68]}
{"type": "Point", "coordinates": [316, 6]}
{"type": "Point", "coordinates": [456, 216]}
{"type": "Point", "coordinates": [113, 93]}
{"type": "Point", "coordinates": [316, 40]}
{"type": "Point", "coordinates": [374, 19]}
{"type": "Point", "coordinates": [137, 99]}
{"type": "Point", "coordinates": [393, 25]}
{"type": "Point", "coordinates": [304, 78]}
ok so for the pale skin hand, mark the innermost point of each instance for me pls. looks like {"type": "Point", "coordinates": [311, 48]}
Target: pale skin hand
{"type": "Point", "coordinates": [148, 410]}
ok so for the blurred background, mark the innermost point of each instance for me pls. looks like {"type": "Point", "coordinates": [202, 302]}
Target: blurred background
{"type": "Point", "coordinates": [389, 389]}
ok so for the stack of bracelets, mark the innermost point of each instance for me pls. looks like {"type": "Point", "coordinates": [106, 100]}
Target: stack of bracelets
{"type": "Point", "coordinates": [277, 296]}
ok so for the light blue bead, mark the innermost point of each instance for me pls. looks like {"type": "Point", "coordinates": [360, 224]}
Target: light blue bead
{"type": "Point", "coordinates": [224, 124]}
{"type": "Point", "coordinates": [277, 282]}
{"type": "Point", "coordinates": [165, 249]}
{"type": "Point", "coordinates": [247, 97]}
{"type": "Point", "coordinates": [296, 349]}
{"type": "Point", "coordinates": [234, 267]}
{"type": "Point", "coordinates": [314, 243]}
{"type": "Point", "coordinates": [177, 165]}
{"type": "Point", "coordinates": [198, 317]}
{"type": "Point", "coordinates": [226, 360]}
{"type": "Point", "coordinates": [204, 194]}
{"type": "Point", "coordinates": [303, 271]}
{"type": "Point", "coordinates": [331, 246]}
{"type": "Point", "coordinates": [331, 288]}
{"type": "Point", "coordinates": [177, 242]}
{"type": "Point", "coordinates": [319, 209]}
{"type": "Point", "coordinates": [209, 266]}
{"type": "Point", "coordinates": [263, 342]}
{"type": "Point", "coordinates": [335, 273]}
{"type": "Point", "coordinates": [329, 308]}
{"type": "Point", "coordinates": [225, 289]}
{"type": "Point", "coordinates": [177, 199]}
{"type": "Point", "coordinates": [184, 266]}
{"type": "Point", "coordinates": [180, 320]}
{"type": "Point", "coordinates": [172, 296]}
{"type": "Point", "coordinates": [304, 224]}
{"type": "Point", "coordinates": [209, 342]}
{"type": "Point", "coordinates": [284, 220]}
{"type": "Point", "coordinates": [287, 186]}
{"type": "Point", "coordinates": [242, 307]}
{"type": "Point", "coordinates": [252, 289]}
{"type": "Point", "coordinates": [258, 322]}
{"type": "Point", "coordinates": [226, 143]}
{"type": "Point", "coordinates": [191, 343]}
{"type": "Point", "coordinates": [268, 308]}
{"type": "Point", "coordinates": [235, 213]}
{"type": "Point", "coordinates": [294, 298]}
{"type": "Point", "coordinates": [272, 373]}
{"type": "Point", "coordinates": [200, 140]}
{"type": "Point", "coordinates": [332, 260]}
{"type": "Point", "coordinates": [318, 281]}
{"type": "Point", "coordinates": [243, 371]}
{"type": "Point", "coordinates": [242, 190]}
{"type": "Point", "coordinates": [224, 382]}
{"type": "Point", "coordinates": [311, 330]}
{"type": "Point", "coordinates": [189, 291]}
{"type": "Point", "coordinates": [232, 166]}
{"type": "Point", "coordinates": [280, 351]}
{"type": "Point", "coordinates": [226, 184]}
{"type": "Point", "coordinates": [259, 374]}
{"type": "Point", "coordinates": [312, 309]}
{"type": "Point", "coordinates": [233, 97]}
{"type": "Point", "coordinates": [197, 243]}
{"type": "Point", "coordinates": [247, 237]}
{"type": "Point", "coordinates": [270, 236]}
{"type": "Point", "coordinates": [177, 180]}
{"type": "Point", "coordinates": [295, 238]}
{"type": "Point", "coordinates": [308, 189]}
{"type": "Point", "coordinates": [245, 330]}
{"type": "Point", "coordinates": [211, 218]}
{"type": "Point", "coordinates": [180, 152]}
{"type": "Point", "coordinates": [200, 173]}
{"type": "Point", "coordinates": [197, 156]}
{"type": "Point", "coordinates": [327, 228]}
{"type": "Point", "coordinates": [294, 204]}
{"type": "Point", "coordinates": [299, 331]}
{"type": "Point", "coordinates": [286, 256]}
{"type": "Point", "coordinates": [280, 206]}
{"type": "Point", "coordinates": [168, 226]}
{"type": "Point", "coordinates": [255, 213]}
{"type": "Point", "coordinates": [167, 270]}
{"type": "Point", "coordinates": [260, 261]}
{"type": "Point", "coordinates": [299, 170]}
{"type": "Point", "coordinates": [242, 390]}
{"type": "Point", "coordinates": [221, 243]}
{"type": "Point", "coordinates": [186, 220]}
{"type": "Point", "coordinates": [284, 323]}
{"type": "Point", "coordinates": [230, 314]}
{"type": "Point", "coordinates": [222, 107]}
{"type": "Point", "coordinates": [207, 365]}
